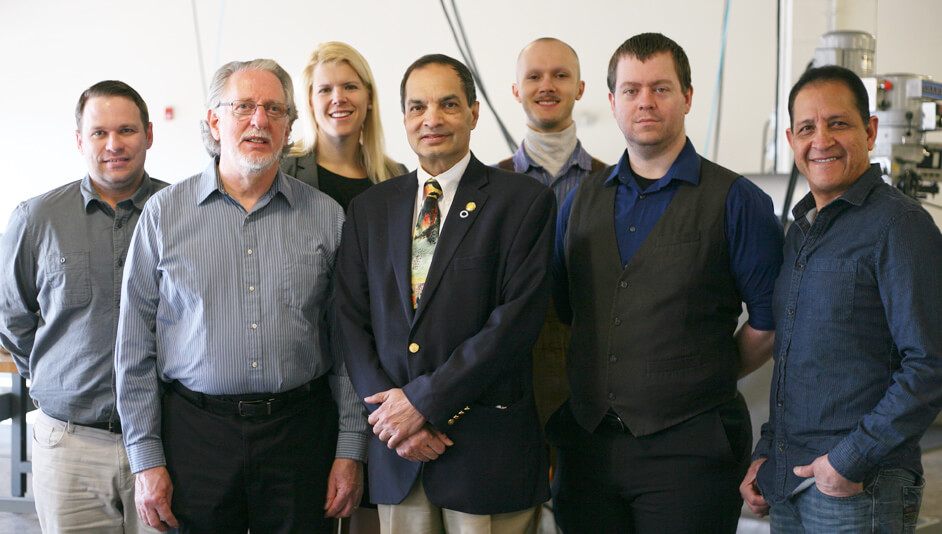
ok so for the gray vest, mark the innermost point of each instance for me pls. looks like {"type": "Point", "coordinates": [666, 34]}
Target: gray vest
{"type": "Point", "coordinates": [653, 340]}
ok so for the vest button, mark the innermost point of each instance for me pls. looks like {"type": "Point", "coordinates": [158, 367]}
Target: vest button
{"type": "Point", "coordinates": [631, 228]}
{"type": "Point", "coordinates": [611, 396]}
{"type": "Point", "coordinates": [617, 321]}
{"type": "Point", "coordinates": [413, 347]}
{"type": "Point", "coordinates": [623, 284]}
{"type": "Point", "coordinates": [612, 358]}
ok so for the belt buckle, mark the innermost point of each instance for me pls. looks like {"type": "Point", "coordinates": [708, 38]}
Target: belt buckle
{"type": "Point", "coordinates": [615, 421]}
{"type": "Point", "coordinates": [254, 408]}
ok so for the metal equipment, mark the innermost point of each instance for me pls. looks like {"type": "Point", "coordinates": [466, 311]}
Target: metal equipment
{"type": "Point", "coordinates": [907, 106]}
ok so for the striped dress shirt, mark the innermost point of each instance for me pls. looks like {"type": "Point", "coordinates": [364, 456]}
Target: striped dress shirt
{"type": "Point", "coordinates": [578, 167]}
{"type": "Point", "coordinates": [229, 302]}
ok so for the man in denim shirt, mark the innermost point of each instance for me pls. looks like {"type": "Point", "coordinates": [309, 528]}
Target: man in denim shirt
{"type": "Point", "coordinates": [858, 349]}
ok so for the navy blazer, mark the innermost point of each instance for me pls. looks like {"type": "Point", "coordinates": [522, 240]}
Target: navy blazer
{"type": "Point", "coordinates": [463, 357]}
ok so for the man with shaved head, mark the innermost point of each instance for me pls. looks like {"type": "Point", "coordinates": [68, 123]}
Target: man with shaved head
{"type": "Point", "coordinates": [548, 83]}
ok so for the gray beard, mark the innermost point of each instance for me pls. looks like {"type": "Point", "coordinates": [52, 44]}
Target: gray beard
{"type": "Point", "coordinates": [256, 166]}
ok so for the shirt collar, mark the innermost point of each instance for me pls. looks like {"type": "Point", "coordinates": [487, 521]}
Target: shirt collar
{"type": "Point", "coordinates": [579, 157]}
{"type": "Point", "coordinates": [90, 195]}
{"type": "Point", "coordinates": [210, 182]}
{"type": "Point", "coordinates": [449, 179]}
{"type": "Point", "coordinates": [686, 167]}
{"type": "Point", "coordinates": [856, 194]}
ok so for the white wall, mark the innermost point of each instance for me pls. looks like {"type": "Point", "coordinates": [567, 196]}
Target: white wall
{"type": "Point", "coordinates": [53, 49]}
{"type": "Point", "coordinates": [62, 47]}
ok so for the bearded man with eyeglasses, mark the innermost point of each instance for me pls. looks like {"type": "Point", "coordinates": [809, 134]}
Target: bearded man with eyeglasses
{"type": "Point", "coordinates": [225, 378]}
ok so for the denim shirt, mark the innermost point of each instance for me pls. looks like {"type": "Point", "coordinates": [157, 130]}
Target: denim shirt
{"type": "Point", "coordinates": [858, 347]}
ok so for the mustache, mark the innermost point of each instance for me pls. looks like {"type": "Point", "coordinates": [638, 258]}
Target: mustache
{"type": "Point", "coordinates": [256, 133]}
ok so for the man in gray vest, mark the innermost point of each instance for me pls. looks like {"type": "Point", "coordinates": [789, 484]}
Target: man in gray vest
{"type": "Point", "coordinates": [655, 426]}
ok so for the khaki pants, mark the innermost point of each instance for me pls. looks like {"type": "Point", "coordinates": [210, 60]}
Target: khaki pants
{"type": "Point", "coordinates": [416, 515]}
{"type": "Point", "coordinates": [81, 480]}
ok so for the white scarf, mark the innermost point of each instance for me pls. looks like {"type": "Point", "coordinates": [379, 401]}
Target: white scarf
{"type": "Point", "coordinates": [551, 150]}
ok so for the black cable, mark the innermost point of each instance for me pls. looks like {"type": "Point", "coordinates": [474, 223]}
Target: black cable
{"type": "Point", "coordinates": [469, 60]}
{"type": "Point", "coordinates": [464, 37]}
{"type": "Point", "coordinates": [789, 193]}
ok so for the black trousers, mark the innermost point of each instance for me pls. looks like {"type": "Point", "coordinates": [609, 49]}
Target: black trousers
{"type": "Point", "coordinates": [684, 479]}
{"type": "Point", "coordinates": [267, 473]}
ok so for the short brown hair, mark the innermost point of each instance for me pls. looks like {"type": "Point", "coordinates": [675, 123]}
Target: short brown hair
{"type": "Point", "coordinates": [110, 88]}
{"type": "Point", "coordinates": [645, 45]}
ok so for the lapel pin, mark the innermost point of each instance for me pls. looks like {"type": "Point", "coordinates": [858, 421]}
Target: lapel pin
{"type": "Point", "coordinates": [470, 206]}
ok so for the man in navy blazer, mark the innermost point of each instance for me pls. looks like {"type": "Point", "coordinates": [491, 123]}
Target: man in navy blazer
{"type": "Point", "coordinates": [444, 363]}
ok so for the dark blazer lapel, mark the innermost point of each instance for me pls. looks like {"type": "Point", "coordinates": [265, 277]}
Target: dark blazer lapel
{"type": "Point", "coordinates": [461, 216]}
{"type": "Point", "coordinates": [401, 210]}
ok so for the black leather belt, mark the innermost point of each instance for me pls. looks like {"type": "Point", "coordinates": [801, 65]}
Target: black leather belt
{"type": "Point", "coordinates": [252, 405]}
{"type": "Point", "coordinates": [612, 422]}
{"type": "Point", "coordinates": [111, 426]}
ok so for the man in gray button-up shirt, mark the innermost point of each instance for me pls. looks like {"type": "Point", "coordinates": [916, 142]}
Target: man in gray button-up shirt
{"type": "Point", "coordinates": [228, 392]}
{"type": "Point", "coordinates": [60, 281]}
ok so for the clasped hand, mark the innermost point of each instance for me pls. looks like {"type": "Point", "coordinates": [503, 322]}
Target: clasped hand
{"type": "Point", "coordinates": [398, 424]}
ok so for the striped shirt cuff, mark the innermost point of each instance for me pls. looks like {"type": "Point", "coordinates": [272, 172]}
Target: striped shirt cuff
{"type": "Point", "coordinates": [145, 455]}
{"type": "Point", "coordinates": [352, 446]}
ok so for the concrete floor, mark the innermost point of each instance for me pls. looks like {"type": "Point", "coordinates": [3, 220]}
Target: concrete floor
{"type": "Point", "coordinates": [930, 516]}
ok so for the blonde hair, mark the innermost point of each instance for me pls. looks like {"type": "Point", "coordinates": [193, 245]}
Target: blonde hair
{"type": "Point", "coordinates": [379, 166]}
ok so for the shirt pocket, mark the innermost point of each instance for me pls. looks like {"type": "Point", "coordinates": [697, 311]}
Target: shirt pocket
{"type": "Point", "coordinates": [305, 280]}
{"type": "Point", "coordinates": [827, 289]}
{"type": "Point", "coordinates": [68, 283]}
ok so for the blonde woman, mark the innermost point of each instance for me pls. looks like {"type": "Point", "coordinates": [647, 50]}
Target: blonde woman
{"type": "Point", "coordinates": [346, 154]}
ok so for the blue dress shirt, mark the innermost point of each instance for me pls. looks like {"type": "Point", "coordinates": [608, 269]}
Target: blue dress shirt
{"type": "Point", "coordinates": [753, 233]}
{"type": "Point", "coordinates": [228, 302]}
{"type": "Point", "coordinates": [567, 179]}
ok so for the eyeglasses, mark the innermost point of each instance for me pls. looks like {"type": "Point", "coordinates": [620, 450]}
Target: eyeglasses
{"type": "Point", "coordinates": [274, 110]}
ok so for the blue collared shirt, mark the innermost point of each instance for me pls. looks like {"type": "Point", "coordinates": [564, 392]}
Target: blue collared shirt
{"type": "Point", "coordinates": [753, 233]}
{"type": "Point", "coordinates": [229, 302]}
{"type": "Point", "coordinates": [578, 166]}
{"type": "Point", "coordinates": [858, 346]}
{"type": "Point", "coordinates": [60, 283]}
